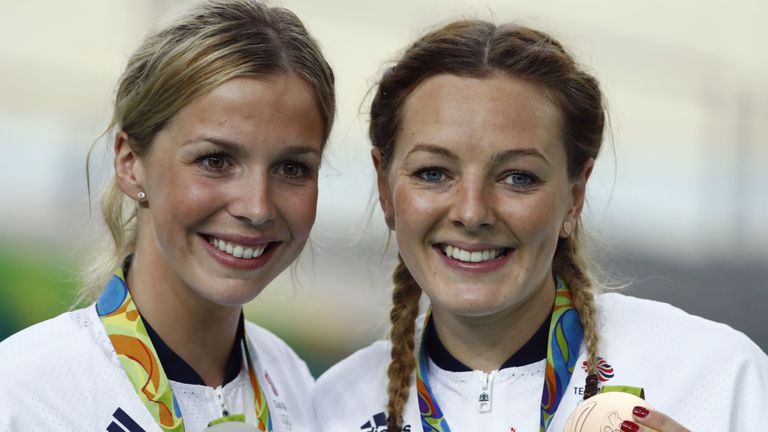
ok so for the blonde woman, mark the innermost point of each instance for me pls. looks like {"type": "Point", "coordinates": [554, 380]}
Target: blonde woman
{"type": "Point", "coordinates": [484, 138]}
{"type": "Point", "coordinates": [221, 119]}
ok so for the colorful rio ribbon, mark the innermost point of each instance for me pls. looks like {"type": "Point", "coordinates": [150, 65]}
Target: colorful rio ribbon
{"type": "Point", "coordinates": [262, 409]}
{"type": "Point", "coordinates": [140, 361]}
{"type": "Point", "coordinates": [564, 342]}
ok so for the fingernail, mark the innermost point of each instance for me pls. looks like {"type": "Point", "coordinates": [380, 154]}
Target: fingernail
{"type": "Point", "coordinates": [641, 412]}
{"type": "Point", "coordinates": [628, 426]}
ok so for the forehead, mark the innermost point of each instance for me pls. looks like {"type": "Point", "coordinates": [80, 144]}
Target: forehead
{"type": "Point", "coordinates": [254, 97]}
{"type": "Point", "coordinates": [278, 109]}
{"type": "Point", "coordinates": [494, 113]}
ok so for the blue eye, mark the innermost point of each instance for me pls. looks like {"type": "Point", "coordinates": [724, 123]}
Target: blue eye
{"type": "Point", "coordinates": [520, 180]}
{"type": "Point", "coordinates": [430, 175]}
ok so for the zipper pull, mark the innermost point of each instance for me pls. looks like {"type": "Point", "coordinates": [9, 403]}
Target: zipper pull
{"type": "Point", "coordinates": [218, 393]}
{"type": "Point", "coordinates": [484, 399]}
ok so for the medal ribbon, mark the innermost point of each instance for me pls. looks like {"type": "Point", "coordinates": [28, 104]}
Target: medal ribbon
{"type": "Point", "coordinates": [262, 409]}
{"type": "Point", "coordinates": [564, 342]}
{"type": "Point", "coordinates": [140, 361]}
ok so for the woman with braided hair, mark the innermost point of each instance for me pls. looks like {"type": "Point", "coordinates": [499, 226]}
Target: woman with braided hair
{"type": "Point", "coordinates": [484, 138]}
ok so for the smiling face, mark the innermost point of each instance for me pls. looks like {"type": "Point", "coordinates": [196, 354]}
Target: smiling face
{"type": "Point", "coordinates": [478, 190]}
{"type": "Point", "coordinates": [231, 188]}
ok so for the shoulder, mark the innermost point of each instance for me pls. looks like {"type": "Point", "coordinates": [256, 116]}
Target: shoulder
{"type": "Point", "coordinates": [659, 337]}
{"type": "Point", "coordinates": [43, 365]}
{"type": "Point", "coordinates": [287, 380]}
{"type": "Point", "coordinates": [353, 389]}
{"type": "Point", "coordinates": [278, 359]}
{"type": "Point", "coordinates": [668, 351]}
{"type": "Point", "coordinates": [363, 364]}
{"type": "Point", "coordinates": [69, 338]}
{"type": "Point", "coordinates": [58, 326]}
{"type": "Point", "coordinates": [665, 323]}
{"type": "Point", "coordinates": [270, 347]}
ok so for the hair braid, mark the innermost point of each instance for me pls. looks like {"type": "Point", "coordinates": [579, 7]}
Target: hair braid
{"type": "Point", "coordinates": [405, 309]}
{"type": "Point", "coordinates": [570, 265]}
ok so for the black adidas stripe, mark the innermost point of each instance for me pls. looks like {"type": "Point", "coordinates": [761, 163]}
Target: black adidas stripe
{"type": "Point", "coordinates": [127, 422]}
{"type": "Point", "coordinates": [114, 427]}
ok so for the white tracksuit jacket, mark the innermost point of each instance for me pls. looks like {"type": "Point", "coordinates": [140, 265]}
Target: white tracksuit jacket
{"type": "Point", "coordinates": [62, 375]}
{"type": "Point", "coordinates": [706, 375]}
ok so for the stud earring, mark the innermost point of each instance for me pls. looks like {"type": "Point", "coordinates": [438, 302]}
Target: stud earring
{"type": "Point", "coordinates": [141, 195]}
{"type": "Point", "coordinates": [567, 228]}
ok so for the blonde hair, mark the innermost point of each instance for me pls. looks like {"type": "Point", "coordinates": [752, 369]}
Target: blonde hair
{"type": "Point", "coordinates": [479, 49]}
{"type": "Point", "coordinates": [217, 41]}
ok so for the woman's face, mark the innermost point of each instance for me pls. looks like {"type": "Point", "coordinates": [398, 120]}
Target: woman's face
{"type": "Point", "coordinates": [231, 184]}
{"type": "Point", "coordinates": [478, 190]}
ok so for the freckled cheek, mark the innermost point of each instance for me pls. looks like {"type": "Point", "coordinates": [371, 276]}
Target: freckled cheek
{"type": "Point", "coordinates": [533, 220]}
{"type": "Point", "coordinates": [415, 210]}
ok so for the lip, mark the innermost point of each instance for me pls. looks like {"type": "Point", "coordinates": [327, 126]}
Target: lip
{"type": "Point", "coordinates": [230, 261]}
{"type": "Point", "coordinates": [479, 267]}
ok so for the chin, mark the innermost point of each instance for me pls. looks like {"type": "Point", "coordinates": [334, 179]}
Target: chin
{"type": "Point", "coordinates": [230, 299]}
{"type": "Point", "coordinates": [474, 307]}
{"type": "Point", "coordinates": [230, 295]}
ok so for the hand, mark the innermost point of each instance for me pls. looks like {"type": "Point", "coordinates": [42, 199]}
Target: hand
{"type": "Point", "coordinates": [646, 421]}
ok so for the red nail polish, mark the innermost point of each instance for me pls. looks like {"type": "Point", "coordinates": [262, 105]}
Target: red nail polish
{"type": "Point", "coordinates": [628, 426]}
{"type": "Point", "coordinates": [641, 412]}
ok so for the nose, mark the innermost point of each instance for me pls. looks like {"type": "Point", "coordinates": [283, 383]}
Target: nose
{"type": "Point", "coordinates": [473, 205]}
{"type": "Point", "coordinates": [252, 201]}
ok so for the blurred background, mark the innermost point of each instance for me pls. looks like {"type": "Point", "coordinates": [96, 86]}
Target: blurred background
{"type": "Point", "coordinates": [677, 204]}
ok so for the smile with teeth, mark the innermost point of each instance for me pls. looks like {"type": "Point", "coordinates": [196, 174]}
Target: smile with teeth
{"type": "Point", "coordinates": [472, 256]}
{"type": "Point", "coordinates": [236, 250]}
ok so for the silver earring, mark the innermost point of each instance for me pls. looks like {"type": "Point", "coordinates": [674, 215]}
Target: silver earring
{"type": "Point", "coordinates": [567, 228]}
{"type": "Point", "coordinates": [141, 195]}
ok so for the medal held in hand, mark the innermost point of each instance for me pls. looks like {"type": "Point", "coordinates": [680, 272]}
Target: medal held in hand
{"type": "Point", "coordinates": [604, 412]}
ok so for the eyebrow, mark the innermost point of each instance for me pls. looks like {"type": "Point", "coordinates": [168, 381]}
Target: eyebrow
{"type": "Point", "coordinates": [235, 147]}
{"type": "Point", "coordinates": [517, 154]}
{"type": "Point", "coordinates": [496, 158]}
{"type": "Point", "coordinates": [229, 145]}
{"type": "Point", "coordinates": [429, 148]}
{"type": "Point", "coordinates": [300, 149]}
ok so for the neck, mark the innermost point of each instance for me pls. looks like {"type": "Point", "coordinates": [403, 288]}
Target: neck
{"type": "Point", "coordinates": [200, 332]}
{"type": "Point", "coordinates": [486, 342]}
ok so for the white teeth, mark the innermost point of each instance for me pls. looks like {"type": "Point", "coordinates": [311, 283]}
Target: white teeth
{"type": "Point", "coordinates": [236, 250]}
{"type": "Point", "coordinates": [474, 256]}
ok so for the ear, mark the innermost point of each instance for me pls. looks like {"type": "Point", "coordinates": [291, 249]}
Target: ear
{"type": "Point", "coordinates": [578, 195]}
{"type": "Point", "coordinates": [385, 195]}
{"type": "Point", "coordinates": [129, 170]}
